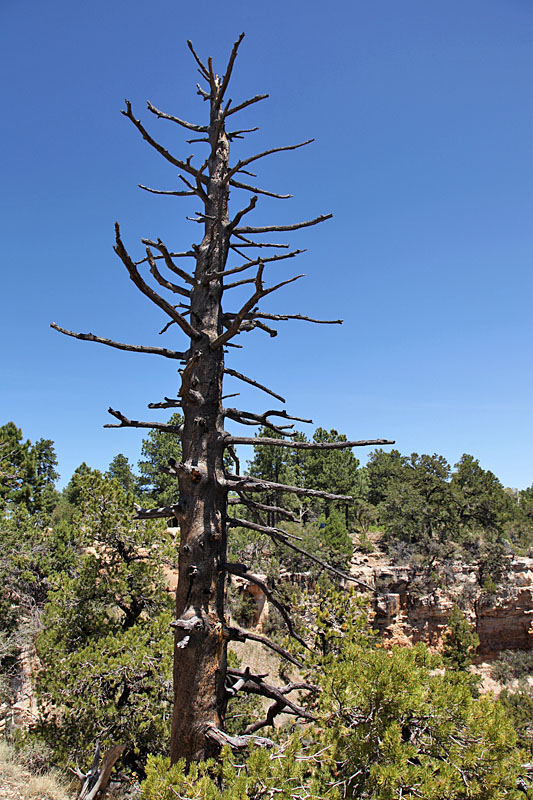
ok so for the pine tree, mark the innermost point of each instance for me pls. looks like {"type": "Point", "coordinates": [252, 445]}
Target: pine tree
{"type": "Point", "coordinates": [104, 649]}
{"type": "Point", "coordinates": [120, 470]}
{"type": "Point", "coordinates": [460, 641]}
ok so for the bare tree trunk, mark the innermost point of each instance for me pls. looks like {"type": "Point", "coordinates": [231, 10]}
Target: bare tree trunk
{"type": "Point", "coordinates": [201, 631]}
{"type": "Point", "coordinates": [200, 649]}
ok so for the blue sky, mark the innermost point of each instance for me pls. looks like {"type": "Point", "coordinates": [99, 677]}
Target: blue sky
{"type": "Point", "coordinates": [423, 119]}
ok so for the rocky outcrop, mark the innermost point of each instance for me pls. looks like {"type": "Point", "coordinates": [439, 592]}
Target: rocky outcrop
{"type": "Point", "coordinates": [504, 620]}
{"type": "Point", "coordinates": [404, 614]}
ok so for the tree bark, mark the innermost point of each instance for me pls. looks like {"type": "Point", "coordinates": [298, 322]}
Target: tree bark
{"type": "Point", "coordinates": [200, 650]}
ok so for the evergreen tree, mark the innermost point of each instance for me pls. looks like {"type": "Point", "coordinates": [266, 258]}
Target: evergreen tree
{"type": "Point", "coordinates": [120, 470]}
{"type": "Point", "coordinates": [335, 542]}
{"type": "Point", "coordinates": [333, 470]}
{"type": "Point", "coordinates": [417, 505]}
{"type": "Point", "coordinates": [106, 648]}
{"type": "Point", "coordinates": [482, 500]}
{"type": "Point", "coordinates": [17, 467]}
{"type": "Point", "coordinates": [460, 641]}
{"type": "Point", "coordinates": [27, 472]}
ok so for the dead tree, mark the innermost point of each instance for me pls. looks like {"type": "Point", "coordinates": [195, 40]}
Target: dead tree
{"type": "Point", "coordinates": [229, 247]}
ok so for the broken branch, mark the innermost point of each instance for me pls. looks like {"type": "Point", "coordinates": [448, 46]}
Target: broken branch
{"type": "Point", "coordinates": [190, 193]}
{"type": "Point", "coordinates": [247, 483]}
{"type": "Point", "coordinates": [245, 379]}
{"type": "Point", "coordinates": [133, 423]}
{"type": "Point", "coordinates": [134, 348]}
{"type": "Point", "coordinates": [229, 69]}
{"type": "Point", "coordinates": [245, 161]}
{"type": "Point", "coordinates": [189, 125]}
{"type": "Point", "coordinates": [265, 440]}
{"type": "Point", "coordinates": [247, 103]}
{"type": "Point", "coordinates": [296, 226]}
{"type": "Point", "coordinates": [183, 165]}
{"type": "Point", "coordinates": [164, 512]}
{"type": "Point", "coordinates": [203, 68]}
{"type": "Point", "coordinates": [283, 317]}
{"type": "Point", "coordinates": [122, 253]}
{"type": "Point", "coordinates": [240, 635]}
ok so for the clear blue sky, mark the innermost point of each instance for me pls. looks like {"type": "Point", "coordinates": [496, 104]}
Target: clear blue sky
{"type": "Point", "coordinates": [422, 114]}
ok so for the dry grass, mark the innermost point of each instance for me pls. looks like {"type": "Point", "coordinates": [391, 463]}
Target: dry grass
{"type": "Point", "coordinates": [18, 783]}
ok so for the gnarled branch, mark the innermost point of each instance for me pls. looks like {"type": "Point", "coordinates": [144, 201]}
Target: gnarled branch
{"type": "Point", "coordinates": [134, 348]}
{"type": "Point", "coordinates": [247, 483]}
{"type": "Point", "coordinates": [238, 742]}
{"type": "Point", "coordinates": [240, 635]}
{"type": "Point", "coordinates": [257, 419]}
{"type": "Point", "coordinates": [168, 261]}
{"type": "Point", "coordinates": [254, 684]}
{"type": "Point", "coordinates": [189, 125]}
{"type": "Point", "coordinates": [133, 423]}
{"type": "Point", "coordinates": [240, 317]}
{"type": "Point", "coordinates": [263, 418]}
{"type": "Point", "coordinates": [296, 226]}
{"type": "Point", "coordinates": [163, 281]}
{"type": "Point", "coordinates": [245, 379]}
{"type": "Point", "coordinates": [133, 272]}
{"type": "Point", "coordinates": [267, 441]}
{"type": "Point", "coordinates": [168, 402]}
{"type": "Point", "coordinates": [163, 512]}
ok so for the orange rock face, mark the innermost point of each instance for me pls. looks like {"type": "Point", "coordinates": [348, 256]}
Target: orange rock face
{"type": "Point", "coordinates": [503, 620]}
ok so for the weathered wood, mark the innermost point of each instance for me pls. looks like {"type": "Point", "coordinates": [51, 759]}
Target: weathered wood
{"type": "Point", "coordinates": [202, 484]}
{"type": "Point", "coordinates": [94, 782]}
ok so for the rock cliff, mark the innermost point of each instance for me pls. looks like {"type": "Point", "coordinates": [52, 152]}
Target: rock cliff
{"type": "Point", "coordinates": [405, 611]}
{"type": "Point", "coordinates": [503, 619]}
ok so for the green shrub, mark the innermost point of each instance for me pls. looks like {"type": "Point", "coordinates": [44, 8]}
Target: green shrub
{"type": "Point", "coordinates": [460, 641]}
{"type": "Point", "coordinates": [512, 665]}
